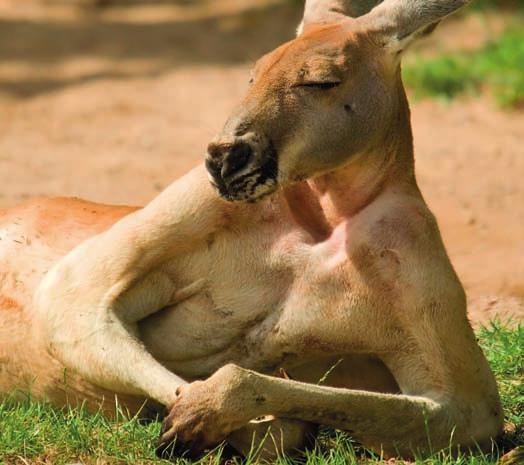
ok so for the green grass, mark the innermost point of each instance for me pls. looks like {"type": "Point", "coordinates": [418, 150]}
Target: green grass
{"type": "Point", "coordinates": [498, 68]}
{"type": "Point", "coordinates": [32, 433]}
{"type": "Point", "coordinates": [505, 352]}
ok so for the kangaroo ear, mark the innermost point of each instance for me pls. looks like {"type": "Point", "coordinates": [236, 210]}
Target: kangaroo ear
{"type": "Point", "coordinates": [327, 11]}
{"type": "Point", "coordinates": [398, 22]}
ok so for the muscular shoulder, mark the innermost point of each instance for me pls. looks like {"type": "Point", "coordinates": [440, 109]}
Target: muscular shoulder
{"type": "Point", "coordinates": [396, 222]}
{"type": "Point", "coordinates": [397, 245]}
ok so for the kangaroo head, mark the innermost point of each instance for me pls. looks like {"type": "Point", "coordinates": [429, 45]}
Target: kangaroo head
{"type": "Point", "coordinates": [330, 96]}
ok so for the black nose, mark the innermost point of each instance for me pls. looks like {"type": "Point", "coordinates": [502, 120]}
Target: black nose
{"type": "Point", "coordinates": [232, 157]}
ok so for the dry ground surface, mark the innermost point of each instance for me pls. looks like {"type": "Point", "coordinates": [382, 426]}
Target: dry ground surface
{"type": "Point", "coordinates": [113, 104]}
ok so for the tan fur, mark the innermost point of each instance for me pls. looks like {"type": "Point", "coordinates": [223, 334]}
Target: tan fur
{"type": "Point", "coordinates": [341, 267]}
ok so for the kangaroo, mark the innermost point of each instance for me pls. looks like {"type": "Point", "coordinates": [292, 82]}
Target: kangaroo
{"type": "Point", "coordinates": [302, 243]}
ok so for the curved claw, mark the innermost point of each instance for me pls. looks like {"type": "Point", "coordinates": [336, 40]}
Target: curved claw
{"type": "Point", "coordinates": [171, 448]}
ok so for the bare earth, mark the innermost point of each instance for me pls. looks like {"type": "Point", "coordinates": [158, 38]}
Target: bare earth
{"type": "Point", "coordinates": [112, 105]}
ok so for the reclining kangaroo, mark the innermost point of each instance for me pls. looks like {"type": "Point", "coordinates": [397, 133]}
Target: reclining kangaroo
{"type": "Point", "coordinates": [317, 248]}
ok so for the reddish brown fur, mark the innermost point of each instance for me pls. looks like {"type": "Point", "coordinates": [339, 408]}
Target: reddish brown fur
{"type": "Point", "coordinates": [8, 303]}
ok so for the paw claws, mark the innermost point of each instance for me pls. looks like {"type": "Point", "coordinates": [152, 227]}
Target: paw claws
{"type": "Point", "coordinates": [165, 450]}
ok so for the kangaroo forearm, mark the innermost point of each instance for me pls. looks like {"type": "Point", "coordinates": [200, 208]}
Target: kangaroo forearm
{"type": "Point", "coordinates": [339, 407]}
{"type": "Point", "coordinates": [233, 396]}
{"type": "Point", "coordinates": [110, 357]}
{"type": "Point", "coordinates": [373, 417]}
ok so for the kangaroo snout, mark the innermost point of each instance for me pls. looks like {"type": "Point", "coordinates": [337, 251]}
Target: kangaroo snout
{"type": "Point", "coordinates": [242, 168]}
{"type": "Point", "coordinates": [231, 158]}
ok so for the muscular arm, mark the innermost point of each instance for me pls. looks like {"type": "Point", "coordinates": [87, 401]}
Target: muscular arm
{"type": "Point", "coordinates": [90, 301]}
{"type": "Point", "coordinates": [176, 221]}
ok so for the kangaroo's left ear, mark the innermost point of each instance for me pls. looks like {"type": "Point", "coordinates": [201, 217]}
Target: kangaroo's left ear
{"type": "Point", "coordinates": [396, 23]}
{"type": "Point", "coordinates": [328, 11]}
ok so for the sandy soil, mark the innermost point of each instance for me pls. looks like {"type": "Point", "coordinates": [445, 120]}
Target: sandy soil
{"type": "Point", "coordinates": [113, 104]}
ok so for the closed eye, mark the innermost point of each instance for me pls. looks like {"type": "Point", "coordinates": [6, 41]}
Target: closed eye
{"type": "Point", "coordinates": [319, 85]}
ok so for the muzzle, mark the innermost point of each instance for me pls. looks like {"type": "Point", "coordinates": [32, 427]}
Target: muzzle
{"type": "Point", "coordinates": [243, 168]}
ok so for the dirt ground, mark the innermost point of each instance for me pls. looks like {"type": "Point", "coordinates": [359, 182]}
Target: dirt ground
{"type": "Point", "coordinates": [113, 104]}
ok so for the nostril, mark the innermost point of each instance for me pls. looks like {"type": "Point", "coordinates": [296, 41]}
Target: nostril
{"type": "Point", "coordinates": [236, 159]}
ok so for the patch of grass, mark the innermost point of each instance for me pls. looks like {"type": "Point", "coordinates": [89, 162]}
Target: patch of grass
{"type": "Point", "coordinates": [505, 352]}
{"type": "Point", "coordinates": [34, 433]}
{"type": "Point", "coordinates": [41, 434]}
{"type": "Point", "coordinates": [497, 67]}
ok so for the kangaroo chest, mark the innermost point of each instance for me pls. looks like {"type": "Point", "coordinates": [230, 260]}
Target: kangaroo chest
{"type": "Point", "coordinates": [259, 300]}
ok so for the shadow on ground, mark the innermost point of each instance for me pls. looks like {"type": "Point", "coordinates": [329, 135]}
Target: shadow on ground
{"type": "Point", "coordinates": [93, 37]}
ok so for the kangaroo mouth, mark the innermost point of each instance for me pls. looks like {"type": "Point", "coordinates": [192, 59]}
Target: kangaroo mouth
{"type": "Point", "coordinates": [256, 181]}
